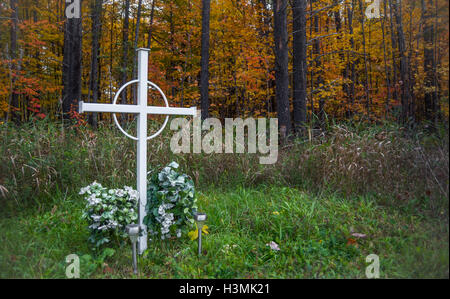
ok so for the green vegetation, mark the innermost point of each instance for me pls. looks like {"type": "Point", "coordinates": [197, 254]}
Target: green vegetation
{"type": "Point", "coordinates": [385, 182]}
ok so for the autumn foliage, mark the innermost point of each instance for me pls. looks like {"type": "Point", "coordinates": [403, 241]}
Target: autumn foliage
{"type": "Point", "coordinates": [353, 61]}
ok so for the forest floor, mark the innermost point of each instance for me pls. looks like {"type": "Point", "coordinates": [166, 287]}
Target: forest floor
{"type": "Point", "coordinates": [322, 230]}
{"type": "Point", "coordinates": [314, 235]}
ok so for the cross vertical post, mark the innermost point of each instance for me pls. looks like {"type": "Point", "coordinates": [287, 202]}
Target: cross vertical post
{"type": "Point", "coordinates": [142, 110]}
{"type": "Point", "coordinates": [142, 145]}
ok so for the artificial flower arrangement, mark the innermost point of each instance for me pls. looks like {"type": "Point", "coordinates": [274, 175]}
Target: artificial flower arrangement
{"type": "Point", "coordinates": [108, 212]}
{"type": "Point", "coordinates": [171, 203]}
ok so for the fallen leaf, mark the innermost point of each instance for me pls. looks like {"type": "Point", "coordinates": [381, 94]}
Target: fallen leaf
{"type": "Point", "coordinates": [358, 235]}
{"type": "Point", "coordinates": [351, 241]}
{"type": "Point", "coordinates": [107, 268]}
{"type": "Point", "coordinates": [273, 246]}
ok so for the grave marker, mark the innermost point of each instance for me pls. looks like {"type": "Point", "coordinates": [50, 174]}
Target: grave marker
{"type": "Point", "coordinates": [142, 110]}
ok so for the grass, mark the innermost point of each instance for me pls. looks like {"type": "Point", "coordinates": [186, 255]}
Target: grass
{"type": "Point", "coordinates": [314, 234]}
{"type": "Point", "coordinates": [382, 181]}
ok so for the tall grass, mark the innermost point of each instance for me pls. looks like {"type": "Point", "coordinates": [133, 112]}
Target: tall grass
{"type": "Point", "coordinates": [408, 169]}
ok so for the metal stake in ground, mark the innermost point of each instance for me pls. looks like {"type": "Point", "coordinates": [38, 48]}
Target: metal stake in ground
{"type": "Point", "coordinates": [200, 218]}
{"type": "Point", "coordinates": [142, 110]}
{"type": "Point", "coordinates": [133, 232]}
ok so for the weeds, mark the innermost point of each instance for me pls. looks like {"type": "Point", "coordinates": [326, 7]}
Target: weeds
{"type": "Point", "coordinates": [385, 183]}
{"type": "Point", "coordinates": [399, 168]}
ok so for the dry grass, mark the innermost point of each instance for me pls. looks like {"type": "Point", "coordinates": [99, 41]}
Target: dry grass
{"type": "Point", "coordinates": [398, 167]}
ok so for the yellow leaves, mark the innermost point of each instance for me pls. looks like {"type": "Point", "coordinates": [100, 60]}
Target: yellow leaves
{"type": "Point", "coordinates": [193, 235]}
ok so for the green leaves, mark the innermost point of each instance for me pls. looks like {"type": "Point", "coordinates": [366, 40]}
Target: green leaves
{"type": "Point", "coordinates": [108, 212]}
{"type": "Point", "coordinates": [170, 203]}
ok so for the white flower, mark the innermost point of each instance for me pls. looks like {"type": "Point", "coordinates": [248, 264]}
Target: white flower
{"type": "Point", "coordinates": [95, 184]}
{"type": "Point", "coordinates": [96, 218]}
{"type": "Point", "coordinates": [161, 210]}
{"type": "Point", "coordinates": [84, 190]}
{"type": "Point", "coordinates": [94, 225]}
{"type": "Point", "coordinates": [112, 224]}
{"type": "Point", "coordinates": [120, 192]}
{"type": "Point", "coordinates": [168, 206]}
{"type": "Point", "coordinates": [133, 194]}
{"type": "Point", "coordinates": [273, 246]}
{"type": "Point", "coordinates": [227, 248]}
{"type": "Point", "coordinates": [169, 217]}
{"type": "Point", "coordinates": [93, 200]}
{"type": "Point", "coordinates": [178, 233]}
{"type": "Point", "coordinates": [174, 165]}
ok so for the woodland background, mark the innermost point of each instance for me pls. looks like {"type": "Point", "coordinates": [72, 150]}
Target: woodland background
{"type": "Point", "coordinates": [331, 61]}
{"type": "Point", "coordinates": [371, 175]}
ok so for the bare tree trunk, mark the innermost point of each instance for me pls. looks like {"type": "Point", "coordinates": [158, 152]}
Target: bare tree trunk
{"type": "Point", "coordinates": [350, 88]}
{"type": "Point", "coordinates": [429, 60]}
{"type": "Point", "coordinates": [72, 64]}
{"type": "Point", "coordinates": [204, 74]}
{"type": "Point", "coordinates": [404, 67]}
{"type": "Point", "coordinates": [386, 69]}
{"type": "Point", "coordinates": [366, 81]}
{"type": "Point", "coordinates": [319, 80]}
{"type": "Point", "coordinates": [135, 45]}
{"type": "Point", "coordinates": [311, 73]}
{"type": "Point", "coordinates": [438, 115]}
{"type": "Point", "coordinates": [299, 63]}
{"type": "Point", "coordinates": [281, 67]}
{"type": "Point", "coordinates": [150, 31]}
{"type": "Point", "coordinates": [14, 102]}
{"type": "Point", "coordinates": [125, 34]}
{"type": "Point", "coordinates": [338, 24]}
{"type": "Point", "coordinates": [393, 51]}
{"type": "Point", "coordinates": [94, 75]}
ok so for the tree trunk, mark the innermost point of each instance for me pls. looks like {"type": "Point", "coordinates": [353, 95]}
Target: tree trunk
{"type": "Point", "coordinates": [299, 63]}
{"type": "Point", "coordinates": [386, 69]}
{"type": "Point", "coordinates": [14, 102]}
{"type": "Point", "coordinates": [281, 67]}
{"type": "Point", "coordinates": [429, 61]}
{"type": "Point", "coordinates": [404, 67]}
{"type": "Point", "coordinates": [150, 31]}
{"type": "Point", "coordinates": [72, 64]}
{"type": "Point", "coordinates": [393, 52]}
{"type": "Point", "coordinates": [319, 80]}
{"type": "Point", "coordinates": [94, 75]}
{"type": "Point", "coordinates": [204, 73]}
{"type": "Point", "coordinates": [125, 34]}
{"type": "Point", "coordinates": [366, 76]}
{"type": "Point", "coordinates": [135, 46]}
{"type": "Point", "coordinates": [350, 88]}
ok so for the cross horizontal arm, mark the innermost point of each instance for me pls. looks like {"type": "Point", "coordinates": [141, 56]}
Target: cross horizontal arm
{"type": "Point", "coordinates": [90, 107]}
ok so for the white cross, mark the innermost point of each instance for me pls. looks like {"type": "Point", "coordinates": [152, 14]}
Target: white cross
{"type": "Point", "coordinates": [141, 109]}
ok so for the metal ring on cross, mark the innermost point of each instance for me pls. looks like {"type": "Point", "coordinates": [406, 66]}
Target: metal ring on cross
{"type": "Point", "coordinates": [151, 84]}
